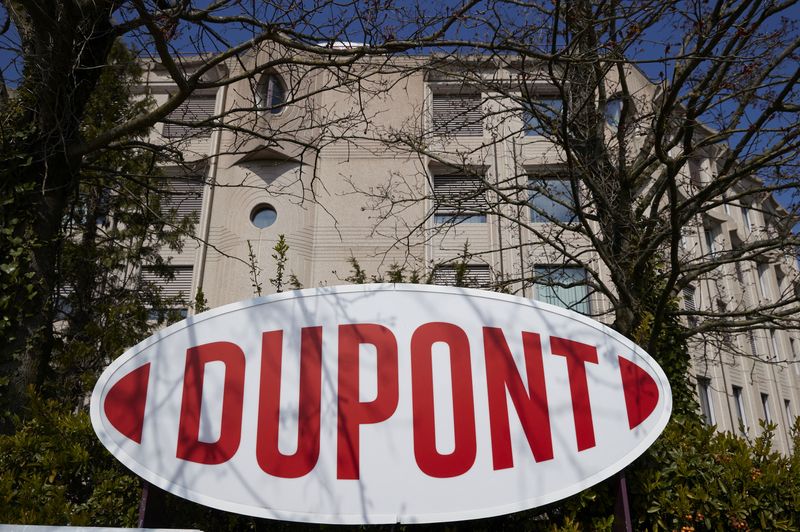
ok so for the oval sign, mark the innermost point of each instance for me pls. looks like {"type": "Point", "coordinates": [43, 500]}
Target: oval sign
{"type": "Point", "coordinates": [381, 404]}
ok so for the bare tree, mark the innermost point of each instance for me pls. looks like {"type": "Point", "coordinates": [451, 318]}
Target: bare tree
{"type": "Point", "coordinates": [644, 143]}
{"type": "Point", "coordinates": [56, 52]}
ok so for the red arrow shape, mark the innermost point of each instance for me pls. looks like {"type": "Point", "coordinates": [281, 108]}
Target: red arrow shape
{"type": "Point", "coordinates": [641, 391]}
{"type": "Point", "coordinates": [125, 401]}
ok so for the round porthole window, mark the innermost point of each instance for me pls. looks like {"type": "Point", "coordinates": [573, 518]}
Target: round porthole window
{"type": "Point", "coordinates": [263, 216]}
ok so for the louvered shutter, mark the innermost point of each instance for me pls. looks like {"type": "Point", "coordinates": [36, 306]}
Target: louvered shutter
{"type": "Point", "coordinates": [459, 195]}
{"type": "Point", "coordinates": [476, 276]}
{"type": "Point", "coordinates": [688, 298]}
{"type": "Point", "coordinates": [193, 110]}
{"type": "Point", "coordinates": [457, 114]}
{"type": "Point", "coordinates": [179, 286]}
{"type": "Point", "coordinates": [185, 197]}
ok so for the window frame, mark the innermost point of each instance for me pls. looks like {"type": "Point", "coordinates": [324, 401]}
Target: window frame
{"type": "Point", "coordinates": [741, 413]}
{"type": "Point", "coordinates": [706, 401]}
{"type": "Point", "coordinates": [265, 93]}
{"type": "Point", "coordinates": [467, 198]}
{"type": "Point", "coordinates": [765, 407]}
{"type": "Point", "coordinates": [531, 125]}
{"type": "Point", "coordinates": [458, 120]}
{"type": "Point", "coordinates": [558, 218]}
{"type": "Point", "coordinates": [582, 305]}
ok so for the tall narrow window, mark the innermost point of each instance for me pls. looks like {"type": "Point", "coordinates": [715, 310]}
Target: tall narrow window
{"type": "Point", "coordinates": [795, 355]}
{"type": "Point", "coordinates": [457, 114]}
{"type": "Point", "coordinates": [188, 116]}
{"type": "Point", "coordinates": [551, 200]}
{"type": "Point", "coordinates": [751, 337]}
{"type": "Point", "coordinates": [748, 224]}
{"type": "Point", "coordinates": [271, 93]}
{"type": "Point", "coordinates": [459, 199]}
{"type": "Point", "coordinates": [763, 279]}
{"type": "Point", "coordinates": [776, 352]}
{"type": "Point", "coordinates": [563, 286]}
{"type": "Point", "coordinates": [787, 405]}
{"type": "Point", "coordinates": [711, 233]}
{"type": "Point", "coordinates": [738, 401]}
{"type": "Point", "coordinates": [765, 405]}
{"type": "Point", "coordinates": [688, 298]}
{"type": "Point", "coordinates": [613, 112]}
{"type": "Point", "coordinates": [706, 403]}
{"type": "Point", "coordinates": [689, 304]}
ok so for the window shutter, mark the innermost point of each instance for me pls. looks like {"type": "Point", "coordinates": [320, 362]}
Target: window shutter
{"type": "Point", "coordinates": [185, 197]}
{"type": "Point", "coordinates": [459, 195]}
{"type": "Point", "coordinates": [457, 114]}
{"type": "Point", "coordinates": [191, 110]}
{"type": "Point", "coordinates": [180, 285]}
{"type": "Point", "coordinates": [477, 276]}
{"type": "Point", "coordinates": [688, 298]}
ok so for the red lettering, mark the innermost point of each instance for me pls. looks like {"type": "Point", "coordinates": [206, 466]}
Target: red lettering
{"type": "Point", "coordinates": [269, 457]}
{"type": "Point", "coordinates": [430, 461]}
{"type": "Point", "coordinates": [352, 412]}
{"type": "Point", "coordinates": [189, 446]}
{"type": "Point", "coordinates": [577, 355]}
{"type": "Point", "coordinates": [531, 407]}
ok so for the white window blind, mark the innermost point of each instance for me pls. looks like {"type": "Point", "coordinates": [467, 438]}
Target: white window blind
{"type": "Point", "coordinates": [457, 114]}
{"type": "Point", "coordinates": [476, 276]}
{"type": "Point", "coordinates": [459, 198]}
{"type": "Point", "coordinates": [184, 196]}
{"type": "Point", "coordinates": [179, 286]}
{"type": "Point", "coordinates": [192, 111]}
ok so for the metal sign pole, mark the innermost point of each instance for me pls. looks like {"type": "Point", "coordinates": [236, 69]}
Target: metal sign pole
{"type": "Point", "coordinates": [622, 511]}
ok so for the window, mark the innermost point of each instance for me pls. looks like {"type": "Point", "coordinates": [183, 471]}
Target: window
{"type": "Point", "coordinates": [551, 200]}
{"type": "Point", "coordinates": [174, 285]}
{"type": "Point", "coordinates": [689, 303]}
{"type": "Point", "coordinates": [470, 275]}
{"type": "Point", "coordinates": [763, 281]}
{"type": "Point", "coordinates": [457, 114]}
{"type": "Point", "coordinates": [563, 286]}
{"type": "Point", "coordinates": [765, 405]}
{"type": "Point", "coordinates": [459, 199]}
{"type": "Point", "coordinates": [787, 405]}
{"type": "Point", "coordinates": [776, 352]}
{"type": "Point", "coordinates": [706, 403]}
{"type": "Point", "coordinates": [752, 339]}
{"type": "Point", "coordinates": [688, 298]}
{"type": "Point", "coordinates": [542, 115]}
{"type": "Point", "coordinates": [190, 113]}
{"type": "Point", "coordinates": [748, 224]}
{"type": "Point", "coordinates": [711, 233]}
{"type": "Point", "coordinates": [183, 197]}
{"type": "Point", "coordinates": [271, 93]}
{"type": "Point", "coordinates": [738, 400]}
{"type": "Point", "coordinates": [613, 111]}
{"type": "Point", "coordinates": [795, 355]}
{"type": "Point", "coordinates": [263, 215]}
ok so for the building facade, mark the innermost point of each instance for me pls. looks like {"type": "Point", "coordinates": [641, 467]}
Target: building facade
{"type": "Point", "coordinates": [421, 169]}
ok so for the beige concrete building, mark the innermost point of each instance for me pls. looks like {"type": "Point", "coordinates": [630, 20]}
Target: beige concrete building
{"type": "Point", "coordinates": [405, 167]}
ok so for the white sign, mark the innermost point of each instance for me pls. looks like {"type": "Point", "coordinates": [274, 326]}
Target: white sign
{"type": "Point", "coordinates": [381, 404]}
